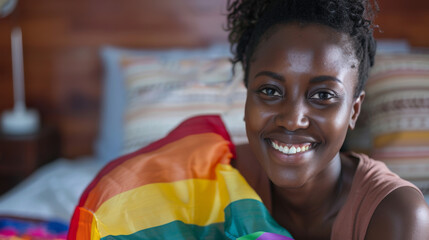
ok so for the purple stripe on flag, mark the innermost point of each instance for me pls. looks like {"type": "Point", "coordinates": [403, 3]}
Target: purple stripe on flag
{"type": "Point", "coordinates": [273, 236]}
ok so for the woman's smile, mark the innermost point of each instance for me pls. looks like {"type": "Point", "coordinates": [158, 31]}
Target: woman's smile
{"type": "Point", "coordinates": [290, 154]}
{"type": "Point", "coordinates": [290, 149]}
{"type": "Point", "coordinates": [289, 146]}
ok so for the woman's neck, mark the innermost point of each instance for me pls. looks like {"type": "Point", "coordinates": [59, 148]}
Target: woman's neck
{"type": "Point", "coordinates": [314, 204]}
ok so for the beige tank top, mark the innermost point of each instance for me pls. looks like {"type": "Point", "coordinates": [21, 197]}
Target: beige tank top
{"type": "Point", "coordinates": [372, 182]}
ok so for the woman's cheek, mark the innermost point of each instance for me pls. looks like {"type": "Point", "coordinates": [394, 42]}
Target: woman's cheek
{"type": "Point", "coordinates": [332, 121]}
{"type": "Point", "coordinates": [343, 116]}
{"type": "Point", "coordinates": [338, 116]}
{"type": "Point", "coordinates": [253, 117]}
{"type": "Point", "coordinates": [250, 119]}
{"type": "Point", "coordinates": [257, 119]}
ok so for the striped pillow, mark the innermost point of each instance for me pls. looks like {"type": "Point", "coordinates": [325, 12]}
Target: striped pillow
{"type": "Point", "coordinates": [161, 92]}
{"type": "Point", "coordinates": [397, 101]}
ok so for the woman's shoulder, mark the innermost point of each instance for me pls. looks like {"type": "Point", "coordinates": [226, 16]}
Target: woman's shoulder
{"type": "Point", "coordinates": [402, 214]}
{"type": "Point", "coordinates": [387, 207]}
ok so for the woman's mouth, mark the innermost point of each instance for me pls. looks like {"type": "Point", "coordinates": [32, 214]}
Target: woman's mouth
{"type": "Point", "coordinates": [290, 149]}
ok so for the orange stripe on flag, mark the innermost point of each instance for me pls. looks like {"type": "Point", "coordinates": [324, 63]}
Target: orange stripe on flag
{"type": "Point", "coordinates": [164, 165]}
{"type": "Point", "coordinates": [85, 225]}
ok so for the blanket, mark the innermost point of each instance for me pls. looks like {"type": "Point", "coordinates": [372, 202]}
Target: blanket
{"type": "Point", "coordinates": [15, 228]}
{"type": "Point", "coordinates": [180, 187]}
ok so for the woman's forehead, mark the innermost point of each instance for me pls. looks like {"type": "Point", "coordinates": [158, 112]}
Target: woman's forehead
{"type": "Point", "coordinates": [304, 44]}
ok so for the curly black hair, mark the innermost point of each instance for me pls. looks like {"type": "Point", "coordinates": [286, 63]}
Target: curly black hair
{"type": "Point", "coordinates": [249, 20]}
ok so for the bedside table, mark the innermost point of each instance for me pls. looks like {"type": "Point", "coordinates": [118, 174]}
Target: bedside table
{"type": "Point", "coordinates": [21, 155]}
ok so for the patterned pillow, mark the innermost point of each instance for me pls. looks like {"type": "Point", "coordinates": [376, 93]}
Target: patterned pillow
{"type": "Point", "coordinates": [162, 91]}
{"type": "Point", "coordinates": [397, 110]}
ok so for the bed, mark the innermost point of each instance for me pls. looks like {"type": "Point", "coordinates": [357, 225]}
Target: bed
{"type": "Point", "coordinates": [147, 89]}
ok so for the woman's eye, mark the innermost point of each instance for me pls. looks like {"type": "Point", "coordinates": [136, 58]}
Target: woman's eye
{"type": "Point", "coordinates": [270, 92]}
{"type": "Point", "coordinates": [323, 96]}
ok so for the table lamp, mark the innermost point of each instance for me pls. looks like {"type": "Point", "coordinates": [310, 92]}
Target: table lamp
{"type": "Point", "coordinates": [19, 120]}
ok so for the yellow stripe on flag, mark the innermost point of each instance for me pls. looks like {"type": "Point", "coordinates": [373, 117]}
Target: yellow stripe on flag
{"type": "Point", "coordinates": [157, 204]}
{"type": "Point", "coordinates": [95, 235]}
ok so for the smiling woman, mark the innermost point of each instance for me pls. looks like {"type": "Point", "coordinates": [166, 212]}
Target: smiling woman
{"type": "Point", "coordinates": [305, 64]}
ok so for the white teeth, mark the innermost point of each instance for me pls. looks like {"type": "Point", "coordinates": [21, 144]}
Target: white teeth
{"type": "Point", "coordinates": [286, 149]}
{"type": "Point", "coordinates": [291, 150]}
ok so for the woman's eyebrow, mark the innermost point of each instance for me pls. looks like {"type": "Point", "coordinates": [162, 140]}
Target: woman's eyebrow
{"type": "Point", "coordinates": [317, 79]}
{"type": "Point", "coordinates": [271, 74]}
{"type": "Point", "coordinates": [325, 78]}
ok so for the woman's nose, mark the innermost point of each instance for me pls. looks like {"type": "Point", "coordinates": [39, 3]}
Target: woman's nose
{"type": "Point", "coordinates": [292, 117]}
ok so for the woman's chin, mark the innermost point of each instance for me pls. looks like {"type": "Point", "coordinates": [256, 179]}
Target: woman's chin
{"type": "Point", "coordinates": [286, 180]}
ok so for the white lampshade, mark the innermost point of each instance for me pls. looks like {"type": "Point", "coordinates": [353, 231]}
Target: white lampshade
{"type": "Point", "coordinates": [6, 7]}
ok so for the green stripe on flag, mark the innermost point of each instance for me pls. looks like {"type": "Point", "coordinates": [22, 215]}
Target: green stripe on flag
{"type": "Point", "coordinates": [248, 216]}
{"type": "Point", "coordinates": [176, 230]}
{"type": "Point", "coordinates": [252, 236]}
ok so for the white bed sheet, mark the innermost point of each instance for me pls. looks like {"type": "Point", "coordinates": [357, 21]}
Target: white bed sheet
{"type": "Point", "coordinates": [52, 192]}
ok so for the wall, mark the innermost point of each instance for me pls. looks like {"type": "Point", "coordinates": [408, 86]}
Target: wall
{"type": "Point", "coordinates": [61, 40]}
{"type": "Point", "coordinates": [404, 19]}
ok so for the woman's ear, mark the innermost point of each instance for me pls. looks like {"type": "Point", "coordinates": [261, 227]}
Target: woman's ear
{"type": "Point", "coordinates": [357, 104]}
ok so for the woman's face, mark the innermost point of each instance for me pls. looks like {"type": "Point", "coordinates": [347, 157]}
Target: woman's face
{"type": "Point", "coordinates": [300, 101]}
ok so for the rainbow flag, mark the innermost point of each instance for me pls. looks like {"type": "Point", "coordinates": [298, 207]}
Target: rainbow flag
{"type": "Point", "coordinates": [180, 187]}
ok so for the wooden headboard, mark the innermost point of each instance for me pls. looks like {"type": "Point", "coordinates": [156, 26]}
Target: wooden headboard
{"type": "Point", "coordinates": [61, 38]}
